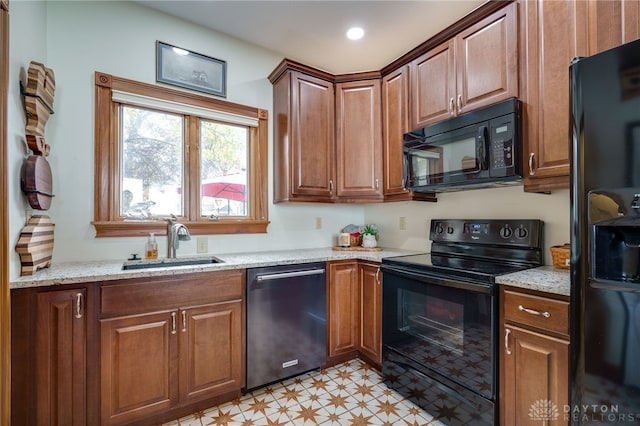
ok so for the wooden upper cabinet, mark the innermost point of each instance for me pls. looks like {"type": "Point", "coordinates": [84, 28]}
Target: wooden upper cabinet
{"type": "Point", "coordinates": [476, 68]}
{"type": "Point", "coordinates": [433, 86]}
{"type": "Point", "coordinates": [487, 61]}
{"type": "Point", "coordinates": [612, 23]}
{"type": "Point", "coordinates": [554, 33]}
{"type": "Point", "coordinates": [359, 140]}
{"type": "Point", "coordinates": [395, 123]}
{"type": "Point", "coordinates": [304, 145]}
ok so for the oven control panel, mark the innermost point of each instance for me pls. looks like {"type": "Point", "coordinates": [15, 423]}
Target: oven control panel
{"type": "Point", "coordinates": [513, 232]}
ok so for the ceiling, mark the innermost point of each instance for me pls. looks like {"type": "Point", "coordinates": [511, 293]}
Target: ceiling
{"type": "Point", "coordinates": [313, 32]}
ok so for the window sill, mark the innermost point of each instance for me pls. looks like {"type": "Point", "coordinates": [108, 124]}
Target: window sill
{"type": "Point", "coordinates": [159, 227]}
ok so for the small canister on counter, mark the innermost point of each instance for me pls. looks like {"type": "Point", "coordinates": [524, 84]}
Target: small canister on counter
{"type": "Point", "coordinates": [344, 239]}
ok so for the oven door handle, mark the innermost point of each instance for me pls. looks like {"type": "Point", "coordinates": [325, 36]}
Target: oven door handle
{"type": "Point", "coordinates": [431, 279]}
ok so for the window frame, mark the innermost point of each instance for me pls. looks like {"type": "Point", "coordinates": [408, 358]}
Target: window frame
{"type": "Point", "coordinates": [107, 219]}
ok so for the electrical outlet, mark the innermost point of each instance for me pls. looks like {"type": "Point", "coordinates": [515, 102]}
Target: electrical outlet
{"type": "Point", "coordinates": [203, 244]}
{"type": "Point", "coordinates": [402, 223]}
{"type": "Point", "coordinates": [318, 223]}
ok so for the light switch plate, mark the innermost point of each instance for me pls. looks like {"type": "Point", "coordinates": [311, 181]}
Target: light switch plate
{"type": "Point", "coordinates": [203, 244]}
{"type": "Point", "coordinates": [318, 223]}
{"type": "Point", "coordinates": [402, 223]}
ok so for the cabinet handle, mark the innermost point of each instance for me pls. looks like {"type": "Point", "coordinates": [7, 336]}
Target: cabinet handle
{"type": "Point", "coordinates": [459, 103]}
{"type": "Point", "coordinates": [78, 305]}
{"type": "Point", "coordinates": [377, 184]}
{"type": "Point", "coordinates": [533, 311]}
{"type": "Point", "coordinates": [507, 332]}
{"type": "Point", "coordinates": [184, 321]}
{"type": "Point", "coordinates": [173, 323]}
{"type": "Point", "coordinates": [531, 155]}
{"type": "Point", "coordinates": [451, 106]}
{"type": "Point", "coordinates": [378, 276]}
{"type": "Point", "coordinates": [330, 186]}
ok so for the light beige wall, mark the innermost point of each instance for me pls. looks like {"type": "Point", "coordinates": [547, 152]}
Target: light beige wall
{"type": "Point", "coordinates": [76, 39]}
{"type": "Point", "coordinates": [495, 203]}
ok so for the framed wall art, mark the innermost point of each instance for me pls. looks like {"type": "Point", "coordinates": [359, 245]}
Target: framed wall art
{"type": "Point", "coordinates": [191, 70]}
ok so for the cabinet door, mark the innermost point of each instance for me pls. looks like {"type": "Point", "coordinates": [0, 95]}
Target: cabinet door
{"type": "Point", "coordinates": [343, 308]}
{"type": "Point", "coordinates": [556, 31]}
{"type": "Point", "coordinates": [138, 366]}
{"type": "Point", "coordinates": [487, 61]}
{"type": "Point", "coordinates": [359, 140]}
{"type": "Point", "coordinates": [433, 83]}
{"type": "Point", "coordinates": [312, 156]}
{"type": "Point", "coordinates": [612, 23]}
{"type": "Point", "coordinates": [395, 123]}
{"type": "Point", "coordinates": [535, 373]}
{"type": "Point", "coordinates": [371, 312]}
{"type": "Point", "coordinates": [211, 350]}
{"type": "Point", "coordinates": [61, 357]}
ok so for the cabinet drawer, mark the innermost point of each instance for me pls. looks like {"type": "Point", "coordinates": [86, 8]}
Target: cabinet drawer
{"type": "Point", "coordinates": [170, 292]}
{"type": "Point", "coordinates": [536, 311]}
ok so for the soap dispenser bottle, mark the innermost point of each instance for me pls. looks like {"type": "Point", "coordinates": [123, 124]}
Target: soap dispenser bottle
{"type": "Point", "coordinates": [151, 249]}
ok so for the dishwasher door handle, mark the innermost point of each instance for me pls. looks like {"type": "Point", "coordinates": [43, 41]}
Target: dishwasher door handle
{"type": "Point", "coordinates": [282, 275]}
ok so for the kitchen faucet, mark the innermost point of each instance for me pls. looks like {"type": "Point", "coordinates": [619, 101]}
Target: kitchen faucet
{"type": "Point", "coordinates": [176, 232]}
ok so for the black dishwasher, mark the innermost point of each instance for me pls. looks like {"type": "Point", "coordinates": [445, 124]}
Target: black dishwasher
{"type": "Point", "coordinates": [286, 322]}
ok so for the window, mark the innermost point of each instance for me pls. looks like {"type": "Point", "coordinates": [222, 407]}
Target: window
{"type": "Point", "coordinates": [162, 152]}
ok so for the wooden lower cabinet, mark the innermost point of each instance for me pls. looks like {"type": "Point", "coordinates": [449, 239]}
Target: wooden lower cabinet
{"type": "Point", "coordinates": [138, 368]}
{"type": "Point", "coordinates": [534, 373]}
{"type": "Point", "coordinates": [153, 362]}
{"type": "Point", "coordinates": [49, 357]}
{"type": "Point", "coordinates": [211, 352]}
{"type": "Point", "coordinates": [182, 349]}
{"type": "Point", "coordinates": [370, 346]}
{"type": "Point", "coordinates": [343, 309]}
{"type": "Point", "coordinates": [354, 311]}
{"type": "Point", "coordinates": [127, 352]}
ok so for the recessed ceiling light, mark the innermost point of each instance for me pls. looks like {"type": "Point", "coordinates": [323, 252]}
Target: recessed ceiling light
{"type": "Point", "coordinates": [180, 51]}
{"type": "Point", "coordinates": [355, 33]}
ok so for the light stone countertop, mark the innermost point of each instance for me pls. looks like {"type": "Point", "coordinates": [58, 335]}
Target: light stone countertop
{"type": "Point", "coordinates": [545, 278]}
{"type": "Point", "coordinates": [83, 272]}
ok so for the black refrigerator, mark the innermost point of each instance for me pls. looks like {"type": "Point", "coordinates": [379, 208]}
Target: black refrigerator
{"type": "Point", "coordinates": [605, 237]}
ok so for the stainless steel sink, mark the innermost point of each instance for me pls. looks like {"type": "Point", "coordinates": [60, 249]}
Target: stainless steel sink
{"type": "Point", "coordinates": [166, 263]}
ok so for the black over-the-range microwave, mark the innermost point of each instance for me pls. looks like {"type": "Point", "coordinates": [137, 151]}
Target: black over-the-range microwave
{"type": "Point", "coordinates": [474, 150]}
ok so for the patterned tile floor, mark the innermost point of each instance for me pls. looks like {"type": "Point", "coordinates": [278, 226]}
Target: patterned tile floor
{"type": "Point", "coordinates": [351, 393]}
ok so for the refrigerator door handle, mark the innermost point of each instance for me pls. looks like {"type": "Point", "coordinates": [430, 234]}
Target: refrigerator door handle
{"type": "Point", "coordinates": [281, 275]}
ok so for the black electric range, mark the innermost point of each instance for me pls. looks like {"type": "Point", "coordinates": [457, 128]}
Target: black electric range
{"type": "Point", "coordinates": [440, 315]}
